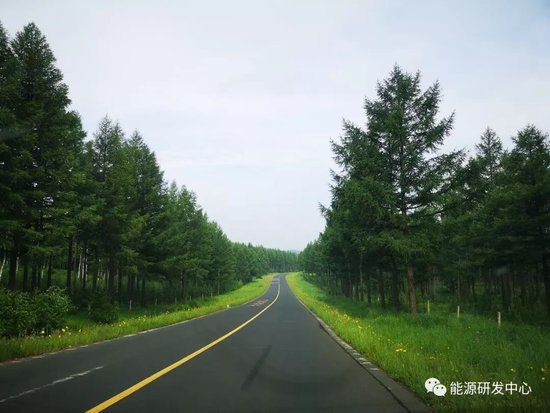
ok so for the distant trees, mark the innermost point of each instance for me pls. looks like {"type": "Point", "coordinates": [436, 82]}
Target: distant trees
{"type": "Point", "coordinates": [401, 207]}
{"type": "Point", "coordinates": [99, 209]}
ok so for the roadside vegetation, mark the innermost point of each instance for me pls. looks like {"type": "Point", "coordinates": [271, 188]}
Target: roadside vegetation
{"type": "Point", "coordinates": [78, 329]}
{"type": "Point", "coordinates": [410, 219]}
{"type": "Point", "coordinates": [435, 262]}
{"type": "Point", "coordinates": [88, 224]}
{"type": "Point", "coordinates": [413, 348]}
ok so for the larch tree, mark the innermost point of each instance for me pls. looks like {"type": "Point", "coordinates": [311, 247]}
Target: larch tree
{"type": "Point", "coordinates": [50, 141]}
{"type": "Point", "coordinates": [403, 122]}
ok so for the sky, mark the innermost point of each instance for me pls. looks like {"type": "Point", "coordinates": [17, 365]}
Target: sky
{"type": "Point", "coordinates": [239, 100]}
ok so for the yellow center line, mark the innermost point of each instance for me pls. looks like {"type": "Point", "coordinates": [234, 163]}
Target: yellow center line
{"type": "Point", "coordinates": [118, 397]}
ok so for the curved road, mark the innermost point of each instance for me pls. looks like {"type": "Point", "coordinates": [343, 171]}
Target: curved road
{"type": "Point", "coordinates": [281, 361]}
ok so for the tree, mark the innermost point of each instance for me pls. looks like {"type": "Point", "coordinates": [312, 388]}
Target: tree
{"type": "Point", "coordinates": [113, 186]}
{"type": "Point", "coordinates": [99, 206]}
{"type": "Point", "coordinates": [43, 152]}
{"type": "Point", "coordinates": [520, 206]}
{"type": "Point", "coordinates": [145, 205]}
{"type": "Point", "coordinates": [392, 178]}
{"type": "Point", "coordinates": [13, 152]}
{"type": "Point", "coordinates": [403, 122]}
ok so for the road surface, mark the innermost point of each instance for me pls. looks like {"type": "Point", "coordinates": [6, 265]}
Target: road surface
{"type": "Point", "coordinates": [270, 355]}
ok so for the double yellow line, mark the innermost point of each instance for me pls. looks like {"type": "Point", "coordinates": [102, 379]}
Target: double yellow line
{"type": "Point", "coordinates": [118, 397]}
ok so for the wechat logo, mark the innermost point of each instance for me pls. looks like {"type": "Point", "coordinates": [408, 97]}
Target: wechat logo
{"type": "Point", "coordinates": [433, 385]}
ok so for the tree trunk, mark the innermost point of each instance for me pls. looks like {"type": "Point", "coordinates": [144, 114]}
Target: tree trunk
{"type": "Point", "coordinates": [537, 282]}
{"type": "Point", "coordinates": [369, 293]}
{"type": "Point", "coordinates": [458, 297]}
{"type": "Point", "coordinates": [349, 287]}
{"type": "Point", "coordinates": [503, 293]}
{"type": "Point", "coordinates": [506, 291]}
{"type": "Point", "coordinates": [49, 273]}
{"type": "Point", "coordinates": [130, 286]}
{"type": "Point", "coordinates": [394, 285]}
{"type": "Point", "coordinates": [111, 275]}
{"type": "Point", "coordinates": [13, 268]}
{"type": "Point", "coordinates": [523, 289]}
{"type": "Point", "coordinates": [182, 282]}
{"type": "Point", "coordinates": [94, 281]}
{"type": "Point", "coordinates": [84, 264]}
{"type": "Point", "coordinates": [143, 290]}
{"type": "Point", "coordinates": [34, 279]}
{"type": "Point", "coordinates": [3, 263]}
{"type": "Point", "coordinates": [361, 293]}
{"type": "Point", "coordinates": [546, 278]}
{"type": "Point", "coordinates": [69, 263]}
{"type": "Point", "coordinates": [76, 267]}
{"type": "Point", "coordinates": [184, 286]}
{"type": "Point", "coordinates": [120, 274]}
{"type": "Point", "coordinates": [41, 274]}
{"type": "Point", "coordinates": [25, 273]}
{"type": "Point", "coordinates": [381, 288]}
{"type": "Point", "coordinates": [410, 286]}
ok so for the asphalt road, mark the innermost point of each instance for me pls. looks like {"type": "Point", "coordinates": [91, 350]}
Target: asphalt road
{"type": "Point", "coordinates": [281, 361]}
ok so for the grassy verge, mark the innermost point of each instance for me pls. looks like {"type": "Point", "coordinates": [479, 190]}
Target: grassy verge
{"type": "Point", "coordinates": [414, 348]}
{"type": "Point", "coordinates": [80, 330]}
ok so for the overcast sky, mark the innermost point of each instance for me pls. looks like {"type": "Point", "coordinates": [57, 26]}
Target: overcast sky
{"type": "Point", "coordinates": [239, 100]}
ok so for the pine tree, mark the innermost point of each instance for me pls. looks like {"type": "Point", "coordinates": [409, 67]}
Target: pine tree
{"type": "Point", "coordinates": [12, 155]}
{"type": "Point", "coordinates": [145, 205]}
{"type": "Point", "coordinates": [521, 206]}
{"type": "Point", "coordinates": [403, 122]}
{"type": "Point", "coordinates": [43, 154]}
{"type": "Point", "coordinates": [113, 179]}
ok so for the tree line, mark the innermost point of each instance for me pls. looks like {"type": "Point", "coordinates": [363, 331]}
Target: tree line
{"type": "Point", "coordinates": [406, 219]}
{"type": "Point", "coordinates": [99, 209]}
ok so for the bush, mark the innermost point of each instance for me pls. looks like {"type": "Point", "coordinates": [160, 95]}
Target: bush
{"type": "Point", "coordinates": [50, 308]}
{"type": "Point", "coordinates": [17, 315]}
{"type": "Point", "coordinates": [189, 305]}
{"type": "Point", "coordinates": [23, 313]}
{"type": "Point", "coordinates": [82, 299]}
{"type": "Point", "coordinates": [102, 309]}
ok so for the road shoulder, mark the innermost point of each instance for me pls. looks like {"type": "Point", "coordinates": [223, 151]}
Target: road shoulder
{"type": "Point", "coordinates": [402, 395]}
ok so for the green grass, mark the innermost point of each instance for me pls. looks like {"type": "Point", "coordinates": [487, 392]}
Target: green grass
{"type": "Point", "coordinates": [414, 348]}
{"type": "Point", "coordinates": [80, 330]}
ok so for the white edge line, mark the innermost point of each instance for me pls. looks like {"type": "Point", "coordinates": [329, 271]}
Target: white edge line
{"type": "Point", "coordinates": [53, 383]}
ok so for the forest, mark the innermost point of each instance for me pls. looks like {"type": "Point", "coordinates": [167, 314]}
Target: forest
{"type": "Point", "coordinates": [94, 213]}
{"type": "Point", "coordinates": [409, 223]}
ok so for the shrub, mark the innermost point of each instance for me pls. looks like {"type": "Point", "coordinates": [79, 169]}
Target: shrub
{"type": "Point", "coordinates": [82, 299]}
{"type": "Point", "coordinates": [24, 313]}
{"type": "Point", "coordinates": [102, 309]}
{"type": "Point", "coordinates": [191, 304]}
{"type": "Point", "coordinates": [17, 315]}
{"type": "Point", "coordinates": [50, 308]}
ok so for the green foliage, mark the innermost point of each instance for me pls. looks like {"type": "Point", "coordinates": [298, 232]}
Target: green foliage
{"type": "Point", "coordinates": [102, 309]}
{"type": "Point", "coordinates": [414, 348]}
{"type": "Point", "coordinates": [81, 330]}
{"type": "Point", "coordinates": [478, 226]}
{"type": "Point", "coordinates": [24, 313]}
{"type": "Point", "coordinates": [51, 309]}
{"type": "Point", "coordinates": [17, 317]}
{"type": "Point", "coordinates": [99, 210]}
{"type": "Point", "coordinates": [387, 196]}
